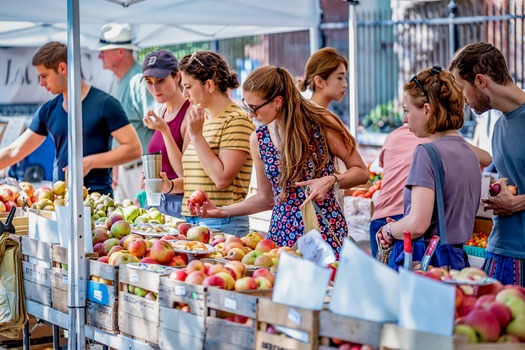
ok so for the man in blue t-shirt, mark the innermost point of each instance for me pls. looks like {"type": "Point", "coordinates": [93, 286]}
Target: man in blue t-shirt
{"type": "Point", "coordinates": [481, 72]}
{"type": "Point", "coordinates": [102, 120]}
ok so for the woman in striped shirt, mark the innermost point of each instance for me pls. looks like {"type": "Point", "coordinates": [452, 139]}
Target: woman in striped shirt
{"type": "Point", "coordinates": [218, 158]}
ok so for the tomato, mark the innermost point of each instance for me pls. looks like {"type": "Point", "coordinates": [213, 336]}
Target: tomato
{"type": "Point", "coordinates": [198, 198]}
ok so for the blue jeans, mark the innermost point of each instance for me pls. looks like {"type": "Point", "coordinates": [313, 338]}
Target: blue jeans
{"type": "Point", "coordinates": [375, 225]}
{"type": "Point", "coordinates": [235, 225]}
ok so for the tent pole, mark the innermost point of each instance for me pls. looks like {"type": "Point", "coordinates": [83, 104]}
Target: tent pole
{"type": "Point", "coordinates": [315, 39]}
{"type": "Point", "coordinates": [76, 256]}
{"type": "Point", "coordinates": [353, 113]}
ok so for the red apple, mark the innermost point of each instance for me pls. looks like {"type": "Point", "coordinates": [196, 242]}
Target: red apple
{"type": "Point", "coordinates": [215, 269]}
{"type": "Point", "coordinates": [199, 233]}
{"type": "Point", "coordinates": [263, 283]}
{"type": "Point", "coordinates": [162, 251]}
{"type": "Point", "coordinates": [484, 301]}
{"type": "Point", "coordinates": [228, 280]}
{"type": "Point", "coordinates": [214, 281]}
{"type": "Point", "coordinates": [198, 198]}
{"type": "Point", "coordinates": [245, 283]}
{"type": "Point", "coordinates": [8, 205]}
{"type": "Point", "coordinates": [169, 238]}
{"type": "Point", "coordinates": [265, 245]}
{"type": "Point", "coordinates": [177, 261]}
{"type": "Point", "coordinates": [183, 228]}
{"type": "Point", "coordinates": [216, 240]}
{"type": "Point", "coordinates": [264, 273]}
{"type": "Point", "coordinates": [467, 306]}
{"type": "Point", "coordinates": [114, 249]}
{"type": "Point", "coordinates": [137, 248]}
{"type": "Point", "coordinates": [178, 275]}
{"type": "Point", "coordinates": [195, 277]}
{"type": "Point", "coordinates": [238, 267]}
{"type": "Point", "coordinates": [501, 312]}
{"type": "Point", "coordinates": [240, 319]}
{"type": "Point", "coordinates": [96, 247]}
{"type": "Point", "coordinates": [103, 259]}
{"type": "Point", "coordinates": [149, 260]}
{"type": "Point", "coordinates": [195, 265]}
{"type": "Point", "coordinates": [485, 324]}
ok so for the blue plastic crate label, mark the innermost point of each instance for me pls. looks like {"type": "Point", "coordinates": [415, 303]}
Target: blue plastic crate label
{"type": "Point", "coordinates": [98, 295]}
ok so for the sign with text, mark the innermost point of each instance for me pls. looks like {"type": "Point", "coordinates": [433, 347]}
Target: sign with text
{"type": "Point", "coordinates": [19, 81]}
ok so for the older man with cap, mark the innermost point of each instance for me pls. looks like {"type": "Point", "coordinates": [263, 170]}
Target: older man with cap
{"type": "Point", "coordinates": [116, 53]}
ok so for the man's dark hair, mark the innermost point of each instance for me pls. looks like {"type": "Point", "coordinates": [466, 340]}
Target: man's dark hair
{"type": "Point", "coordinates": [481, 58]}
{"type": "Point", "coordinates": [51, 55]}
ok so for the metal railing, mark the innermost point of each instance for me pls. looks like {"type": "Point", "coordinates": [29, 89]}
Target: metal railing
{"type": "Point", "coordinates": [393, 45]}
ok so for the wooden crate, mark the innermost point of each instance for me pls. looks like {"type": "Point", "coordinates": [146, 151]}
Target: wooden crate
{"type": "Point", "coordinates": [102, 296]}
{"type": "Point", "coordinates": [483, 225]}
{"type": "Point", "coordinates": [36, 266]}
{"type": "Point", "coordinates": [270, 313]}
{"type": "Point", "coordinates": [347, 329]}
{"type": "Point", "coordinates": [180, 329]}
{"type": "Point", "coordinates": [226, 334]}
{"type": "Point", "coordinates": [59, 279]}
{"type": "Point", "coordinates": [138, 317]}
{"type": "Point", "coordinates": [395, 337]}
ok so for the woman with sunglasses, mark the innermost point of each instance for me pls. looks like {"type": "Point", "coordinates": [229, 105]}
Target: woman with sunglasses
{"type": "Point", "coordinates": [294, 159]}
{"type": "Point", "coordinates": [218, 158]}
{"type": "Point", "coordinates": [433, 108]}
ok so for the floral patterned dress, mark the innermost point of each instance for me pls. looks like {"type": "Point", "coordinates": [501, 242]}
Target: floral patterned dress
{"type": "Point", "coordinates": [286, 224]}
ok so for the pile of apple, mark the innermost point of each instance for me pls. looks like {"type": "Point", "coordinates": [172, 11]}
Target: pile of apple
{"type": "Point", "coordinates": [141, 292]}
{"type": "Point", "coordinates": [43, 198]}
{"type": "Point", "coordinates": [115, 245]}
{"type": "Point", "coordinates": [230, 276]}
{"type": "Point", "coordinates": [485, 313]}
{"type": "Point", "coordinates": [252, 250]}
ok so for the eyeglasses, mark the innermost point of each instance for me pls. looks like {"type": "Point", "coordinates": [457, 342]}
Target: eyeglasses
{"type": "Point", "coordinates": [435, 70]}
{"type": "Point", "coordinates": [255, 109]}
{"type": "Point", "coordinates": [194, 58]}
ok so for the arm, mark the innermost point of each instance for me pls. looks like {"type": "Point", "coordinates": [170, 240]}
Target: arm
{"type": "Point", "coordinates": [153, 121]}
{"type": "Point", "coordinates": [484, 157]}
{"type": "Point", "coordinates": [505, 203]}
{"type": "Point", "coordinates": [261, 201]}
{"type": "Point", "coordinates": [129, 149]}
{"type": "Point", "coordinates": [418, 220]}
{"type": "Point", "coordinates": [356, 173]}
{"type": "Point", "coordinates": [20, 148]}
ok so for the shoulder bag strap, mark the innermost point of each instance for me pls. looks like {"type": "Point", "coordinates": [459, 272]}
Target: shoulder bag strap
{"type": "Point", "coordinates": [437, 165]}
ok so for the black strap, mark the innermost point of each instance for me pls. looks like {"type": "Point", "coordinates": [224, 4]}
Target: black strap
{"type": "Point", "coordinates": [437, 165]}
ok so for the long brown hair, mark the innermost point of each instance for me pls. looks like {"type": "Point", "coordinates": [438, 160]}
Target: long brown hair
{"type": "Point", "coordinates": [322, 63]}
{"type": "Point", "coordinates": [298, 120]}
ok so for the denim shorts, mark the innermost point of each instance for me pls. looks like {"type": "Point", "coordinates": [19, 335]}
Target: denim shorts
{"type": "Point", "coordinates": [236, 225]}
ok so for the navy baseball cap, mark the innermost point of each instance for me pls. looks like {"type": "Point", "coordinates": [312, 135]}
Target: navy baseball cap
{"type": "Point", "coordinates": [159, 64]}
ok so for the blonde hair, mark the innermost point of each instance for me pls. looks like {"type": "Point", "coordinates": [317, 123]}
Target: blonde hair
{"type": "Point", "coordinates": [298, 121]}
{"type": "Point", "coordinates": [444, 96]}
{"type": "Point", "coordinates": [322, 63]}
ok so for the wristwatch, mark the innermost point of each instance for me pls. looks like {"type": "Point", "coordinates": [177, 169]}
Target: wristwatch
{"type": "Point", "coordinates": [388, 232]}
{"type": "Point", "coordinates": [335, 186]}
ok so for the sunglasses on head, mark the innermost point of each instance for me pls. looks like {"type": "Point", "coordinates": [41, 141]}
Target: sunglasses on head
{"type": "Point", "coordinates": [435, 70]}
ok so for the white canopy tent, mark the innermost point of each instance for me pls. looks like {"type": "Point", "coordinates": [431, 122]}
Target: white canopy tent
{"type": "Point", "coordinates": [156, 22]}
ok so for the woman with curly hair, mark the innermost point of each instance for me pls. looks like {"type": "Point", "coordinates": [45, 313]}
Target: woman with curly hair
{"type": "Point", "coordinates": [433, 108]}
{"type": "Point", "coordinates": [217, 159]}
{"type": "Point", "coordinates": [294, 153]}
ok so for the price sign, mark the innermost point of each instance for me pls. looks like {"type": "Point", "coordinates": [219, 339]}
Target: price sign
{"type": "Point", "coordinates": [314, 248]}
